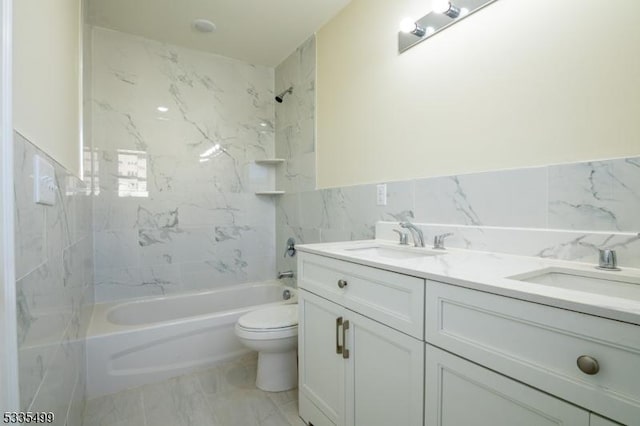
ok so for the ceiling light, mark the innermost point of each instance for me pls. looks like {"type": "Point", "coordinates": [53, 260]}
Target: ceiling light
{"type": "Point", "coordinates": [162, 109]}
{"type": "Point", "coordinates": [203, 26]}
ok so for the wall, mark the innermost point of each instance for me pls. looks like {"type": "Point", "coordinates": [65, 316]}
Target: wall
{"type": "Point", "coordinates": [47, 83]}
{"type": "Point", "coordinates": [165, 221]}
{"type": "Point", "coordinates": [563, 211]}
{"type": "Point", "coordinates": [54, 270]}
{"type": "Point", "coordinates": [295, 140]}
{"type": "Point", "coordinates": [520, 83]}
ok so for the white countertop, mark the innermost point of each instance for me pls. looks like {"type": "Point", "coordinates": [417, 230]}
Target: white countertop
{"type": "Point", "coordinates": [489, 271]}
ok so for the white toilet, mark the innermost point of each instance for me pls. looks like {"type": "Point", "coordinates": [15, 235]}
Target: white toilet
{"type": "Point", "coordinates": [273, 332]}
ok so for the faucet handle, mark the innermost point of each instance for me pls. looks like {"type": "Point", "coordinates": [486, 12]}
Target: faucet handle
{"type": "Point", "coordinates": [403, 237]}
{"type": "Point", "coordinates": [438, 240]}
{"type": "Point", "coordinates": [608, 260]}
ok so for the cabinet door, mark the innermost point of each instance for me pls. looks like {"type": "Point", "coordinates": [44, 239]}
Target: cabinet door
{"type": "Point", "coordinates": [459, 392]}
{"type": "Point", "coordinates": [385, 375]}
{"type": "Point", "coordinates": [321, 368]}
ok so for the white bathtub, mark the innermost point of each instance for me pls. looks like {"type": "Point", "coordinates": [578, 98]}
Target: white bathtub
{"type": "Point", "coordinates": [133, 343]}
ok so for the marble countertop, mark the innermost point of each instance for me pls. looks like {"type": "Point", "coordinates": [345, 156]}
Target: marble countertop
{"type": "Point", "coordinates": [490, 272]}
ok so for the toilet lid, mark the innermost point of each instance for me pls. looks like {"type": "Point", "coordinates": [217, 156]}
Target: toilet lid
{"type": "Point", "coordinates": [268, 318]}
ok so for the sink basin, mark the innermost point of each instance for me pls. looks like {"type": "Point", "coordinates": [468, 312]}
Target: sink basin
{"type": "Point", "coordinates": [391, 252]}
{"type": "Point", "coordinates": [596, 282]}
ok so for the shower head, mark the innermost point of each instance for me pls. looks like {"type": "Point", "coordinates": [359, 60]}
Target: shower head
{"type": "Point", "coordinates": [281, 96]}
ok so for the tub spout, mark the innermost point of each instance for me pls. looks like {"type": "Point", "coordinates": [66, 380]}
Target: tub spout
{"type": "Point", "coordinates": [285, 274]}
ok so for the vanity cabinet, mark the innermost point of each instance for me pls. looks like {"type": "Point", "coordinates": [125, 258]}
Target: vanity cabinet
{"type": "Point", "coordinates": [354, 369]}
{"type": "Point", "coordinates": [382, 348]}
{"type": "Point", "coordinates": [460, 392]}
{"type": "Point", "coordinates": [587, 360]}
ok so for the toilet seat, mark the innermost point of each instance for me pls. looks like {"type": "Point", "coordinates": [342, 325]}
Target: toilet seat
{"type": "Point", "coordinates": [276, 322]}
{"type": "Point", "coordinates": [274, 317]}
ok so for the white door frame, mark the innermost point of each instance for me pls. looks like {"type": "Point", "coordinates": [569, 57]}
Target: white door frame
{"type": "Point", "coordinates": [9, 393]}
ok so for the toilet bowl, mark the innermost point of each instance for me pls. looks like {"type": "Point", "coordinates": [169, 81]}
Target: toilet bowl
{"type": "Point", "coordinates": [273, 332]}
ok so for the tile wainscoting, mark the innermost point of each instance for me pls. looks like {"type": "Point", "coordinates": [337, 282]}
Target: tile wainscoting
{"type": "Point", "coordinates": [54, 268]}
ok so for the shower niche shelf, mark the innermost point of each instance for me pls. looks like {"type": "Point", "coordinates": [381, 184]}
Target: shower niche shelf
{"type": "Point", "coordinates": [270, 193]}
{"type": "Point", "coordinates": [270, 161]}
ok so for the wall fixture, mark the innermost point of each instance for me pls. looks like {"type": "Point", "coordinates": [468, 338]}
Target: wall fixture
{"type": "Point", "coordinates": [444, 14]}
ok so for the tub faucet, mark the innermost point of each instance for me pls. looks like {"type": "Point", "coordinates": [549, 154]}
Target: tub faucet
{"type": "Point", "coordinates": [285, 274]}
{"type": "Point", "coordinates": [416, 233]}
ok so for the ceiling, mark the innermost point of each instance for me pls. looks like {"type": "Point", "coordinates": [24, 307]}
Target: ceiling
{"type": "Point", "coordinates": [261, 32]}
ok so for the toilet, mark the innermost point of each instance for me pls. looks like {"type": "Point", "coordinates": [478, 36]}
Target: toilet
{"type": "Point", "coordinates": [273, 332]}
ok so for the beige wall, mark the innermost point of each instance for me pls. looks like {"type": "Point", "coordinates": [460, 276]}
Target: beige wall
{"type": "Point", "coordinates": [47, 77]}
{"type": "Point", "coordinates": [520, 83]}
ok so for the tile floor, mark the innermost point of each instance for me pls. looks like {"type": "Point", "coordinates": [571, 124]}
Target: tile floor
{"type": "Point", "coordinates": [222, 396]}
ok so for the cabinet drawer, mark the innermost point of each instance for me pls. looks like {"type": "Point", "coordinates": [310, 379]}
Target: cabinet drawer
{"type": "Point", "coordinates": [540, 345]}
{"type": "Point", "coordinates": [395, 300]}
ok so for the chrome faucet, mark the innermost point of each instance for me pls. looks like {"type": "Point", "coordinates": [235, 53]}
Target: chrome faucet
{"type": "Point", "coordinates": [608, 260]}
{"type": "Point", "coordinates": [416, 233]}
{"type": "Point", "coordinates": [402, 237]}
{"type": "Point", "coordinates": [285, 274]}
{"type": "Point", "coordinates": [438, 240]}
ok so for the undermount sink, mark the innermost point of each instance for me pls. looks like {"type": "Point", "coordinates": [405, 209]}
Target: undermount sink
{"type": "Point", "coordinates": [596, 282]}
{"type": "Point", "coordinates": [392, 252]}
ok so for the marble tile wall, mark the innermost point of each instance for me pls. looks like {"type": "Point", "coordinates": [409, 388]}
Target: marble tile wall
{"type": "Point", "coordinates": [54, 270]}
{"type": "Point", "coordinates": [176, 133]}
{"type": "Point", "coordinates": [561, 211]}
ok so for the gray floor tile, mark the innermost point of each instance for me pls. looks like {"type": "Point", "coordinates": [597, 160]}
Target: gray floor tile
{"type": "Point", "coordinates": [222, 396]}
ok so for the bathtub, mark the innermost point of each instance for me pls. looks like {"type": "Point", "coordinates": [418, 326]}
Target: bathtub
{"type": "Point", "coordinates": [137, 342]}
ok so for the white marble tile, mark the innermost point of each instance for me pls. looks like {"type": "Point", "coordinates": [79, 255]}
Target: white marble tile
{"type": "Point", "coordinates": [503, 198]}
{"type": "Point", "coordinates": [116, 249]}
{"type": "Point", "coordinates": [196, 205]}
{"type": "Point", "coordinates": [598, 195]}
{"type": "Point", "coordinates": [29, 217]}
{"type": "Point", "coordinates": [246, 408]}
{"type": "Point", "coordinates": [176, 402]}
{"type": "Point", "coordinates": [295, 120]}
{"type": "Point", "coordinates": [111, 409]}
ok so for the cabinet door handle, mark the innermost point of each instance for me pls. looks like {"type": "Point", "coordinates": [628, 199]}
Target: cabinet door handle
{"type": "Point", "coordinates": [345, 351]}
{"type": "Point", "coordinates": [588, 365]}
{"type": "Point", "coordinates": [338, 325]}
{"type": "Point", "coordinates": [342, 283]}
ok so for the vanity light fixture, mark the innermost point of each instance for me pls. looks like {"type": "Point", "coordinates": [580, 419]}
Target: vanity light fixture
{"type": "Point", "coordinates": [408, 26]}
{"type": "Point", "coordinates": [445, 7]}
{"type": "Point", "coordinates": [444, 13]}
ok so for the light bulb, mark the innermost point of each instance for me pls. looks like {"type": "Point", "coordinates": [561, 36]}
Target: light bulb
{"type": "Point", "coordinates": [407, 25]}
{"type": "Point", "coordinates": [441, 6]}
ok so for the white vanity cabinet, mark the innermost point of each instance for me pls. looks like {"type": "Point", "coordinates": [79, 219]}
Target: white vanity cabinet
{"type": "Point", "coordinates": [460, 392]}
{"type": "Point", "coordinates": [354, 370]}
{"type": "Point", "coordinates": [382, 348]}
{"type": "Point", "coordinates": [589, 361]}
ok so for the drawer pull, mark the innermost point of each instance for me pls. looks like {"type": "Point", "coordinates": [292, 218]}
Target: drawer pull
{"type": "Point", "coordinates": [338, 325]}
{"type": "Point", "coordinates": [342, 283]}
{"type": "Point", "coordinates": [588, 365]}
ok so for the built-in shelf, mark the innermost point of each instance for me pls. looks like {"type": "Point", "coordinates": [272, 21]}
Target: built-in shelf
{"type": "Point", "coordinates": [270, 193]}
{"type": "Point", "coordinates": [271, 161]}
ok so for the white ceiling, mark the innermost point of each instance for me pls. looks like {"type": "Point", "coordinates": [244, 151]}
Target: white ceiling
{"type": "Point", "coordinates": [260, 32]}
